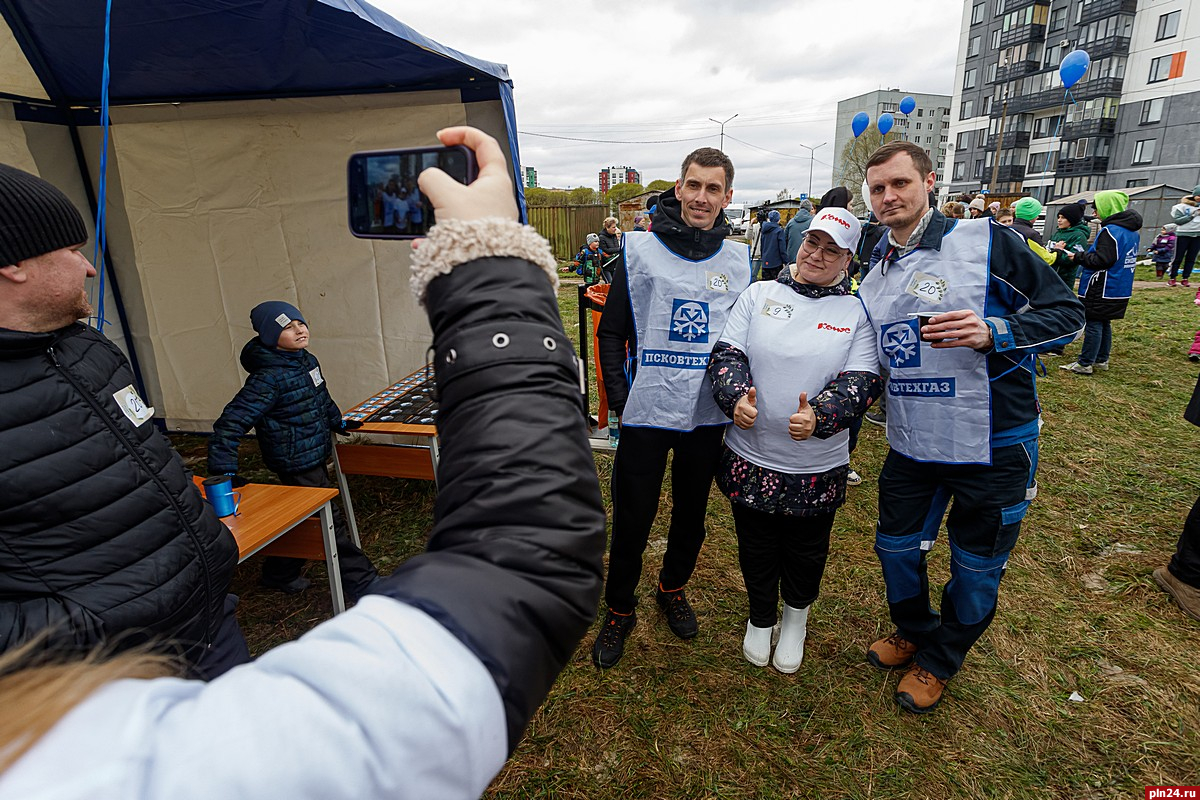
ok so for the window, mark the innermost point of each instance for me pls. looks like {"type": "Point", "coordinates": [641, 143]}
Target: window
{"type": "Point", "coordinates": [977, 13]}
{"type": "Point", "coordinates": [1168, 26]}
{"type": "Point", "coordinates": [960, 170]}
{"type": "Point", "coordinates": [973, 46]}
{"type": "Point", "coordinates": [963, 141]}
{"type": "Point", "coordinates": [1143, 151]}
{"type": "Point", "coordinates": [1165, 67]}
{"type": "Point", "coordinates": [1081, 148]}
{"type": "Point", "coordinates": [1058, 19]}
{"type": "Point", "coordinates": [978, 168]}
{"type": "Point", "coordinates": [889, 107]}
{"type": "Point", "coordinates": [968, 109]}
{"type": "Point", "coordinates": [969, 79]}
{"type": "Point", "coordinates": [987, 105]}
{"type": "Point", "coordinates": [996, 39]}
{"type": "Point", "coordinates": [1152, 111]}
{"type": "Point", "coordinates": [981, 137]}
{"type": "Point", "coordinates": [920, 112]}
{"type": "Point", "coordinates": [1136, 182]}
{"type": "Point", "coordinates": [990, 72]}
{"type": "Point", "coordinates": [918, 126]}
{"type": "Point", "coordinates": [1043, 162]}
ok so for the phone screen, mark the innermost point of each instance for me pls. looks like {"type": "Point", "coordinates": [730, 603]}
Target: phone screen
{"type": "Point", "coordinates": [384, 199]}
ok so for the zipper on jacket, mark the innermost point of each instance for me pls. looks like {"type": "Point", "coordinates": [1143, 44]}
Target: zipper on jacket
{"type": "Point", "coordinates": [129, 446]}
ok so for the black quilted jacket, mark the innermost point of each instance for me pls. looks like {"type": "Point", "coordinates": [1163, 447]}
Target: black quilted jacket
{"type": "Point", "coordinates": [103, 537]}
{"type": "Point", "coordinates": [287, 402]}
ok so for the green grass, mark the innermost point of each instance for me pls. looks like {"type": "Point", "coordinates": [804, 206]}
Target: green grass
{"type": "Point", "coordinates": [1078, 613]}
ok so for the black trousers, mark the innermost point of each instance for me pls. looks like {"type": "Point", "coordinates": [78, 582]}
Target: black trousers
{"type": "Point", "coordinates": [778, 554]}
{"type": "Point", "coordinates": [1185, 564]}
{"type": "Point", "coordinates": [637, 480]}
{"type": "Point", "coordinates": [1186, 250]}
{"type": "Point", "coordinates": [357, 570]}
{"type": "Point", "coordinates": [989, 502]}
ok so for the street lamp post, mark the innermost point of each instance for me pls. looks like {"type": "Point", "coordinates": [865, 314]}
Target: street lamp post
{"type": "Point", "coordinates": [722, 124]}
{"type": "Point", "coordinates": [811, 150]}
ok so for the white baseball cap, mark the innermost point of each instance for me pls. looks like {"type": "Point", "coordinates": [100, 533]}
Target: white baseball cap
{"type": "Point", "coordinates": [842, 226]}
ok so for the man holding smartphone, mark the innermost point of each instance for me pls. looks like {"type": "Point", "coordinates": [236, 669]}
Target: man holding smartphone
{"type": "Point", "coordinates": [960, 310]}
{"type": "Point", "coordinates": [664, 312]}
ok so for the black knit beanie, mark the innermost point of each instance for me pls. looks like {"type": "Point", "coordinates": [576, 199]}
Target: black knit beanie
{"type": "Point", "coordinates": [35, 217]}
{"type": "Point", "coordinates": [1072, 213]}
{"type": "Point", "coordinates": [270, 318]}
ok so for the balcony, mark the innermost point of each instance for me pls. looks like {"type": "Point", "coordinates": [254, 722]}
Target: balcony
{"type": "Point", "coordinates": [1023, 34]}
{"type": "Point", "coordinates": [1108, 46]}
{"type": "Point", "coordinates": [1097, 87]}
{"type": "Point", "coordinates": [1017, 69]}
{"type": "Point", "coordinates": [1008, 173]}
{"type": "Point", "coordinates": [1089, 128]}
{"type": "Point", "coordinates": [1017, 5]}
{"type": "Point", "coordinates": [1099, 9]}
{"type": "Point", "coordinates": [1093, 165]}
{"type": "Point", "coordinates": [1050, 98]}
{"type": "Point", "coordinates": [1011, 139]}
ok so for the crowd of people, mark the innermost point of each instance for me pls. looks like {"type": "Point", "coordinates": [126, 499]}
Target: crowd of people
{"type": "Point", "coordinates": [748, 365]}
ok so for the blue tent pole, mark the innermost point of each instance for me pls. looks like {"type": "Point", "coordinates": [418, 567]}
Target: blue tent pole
{"type": "Point", "coordinates": [46, 76]}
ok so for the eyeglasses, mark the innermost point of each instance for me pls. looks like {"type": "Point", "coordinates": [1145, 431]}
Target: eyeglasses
{"type": "Point", "coordinates": [827, 253]}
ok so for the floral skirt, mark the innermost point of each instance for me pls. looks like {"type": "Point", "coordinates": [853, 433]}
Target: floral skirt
{"type": "Point", "coordinates": [772, 492]}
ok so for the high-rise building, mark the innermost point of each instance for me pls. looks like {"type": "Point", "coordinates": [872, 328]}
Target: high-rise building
{"type": "Point", "coordinates": [611, 176]}
{"type": "Point", "coordinates": [926, 126]}
{"type": "Point", "coordinates": [1130, 121]}
{"type": "Point", "coordinates": [530, 178]}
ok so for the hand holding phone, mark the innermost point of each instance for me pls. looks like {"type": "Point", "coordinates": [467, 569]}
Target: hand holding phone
{"type": "Point", "coordinates": [489, 195]}
{"type": "Point", "coordinates": [385, 200]}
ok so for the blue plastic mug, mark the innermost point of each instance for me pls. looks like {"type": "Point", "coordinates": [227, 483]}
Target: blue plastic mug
{"type": "Point", "coordinates": [218, 491]}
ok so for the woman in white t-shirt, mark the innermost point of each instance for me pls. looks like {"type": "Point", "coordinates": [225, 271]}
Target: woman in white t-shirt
{"type": "Point", "coordinates": [795, 363]}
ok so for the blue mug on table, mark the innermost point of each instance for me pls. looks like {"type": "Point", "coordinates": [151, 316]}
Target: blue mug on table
{"type": "Point", "coordinates": [218, 491]}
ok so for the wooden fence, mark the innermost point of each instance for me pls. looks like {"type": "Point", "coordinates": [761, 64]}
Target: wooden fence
{"type": "Point", "coordinates": [567, 227]}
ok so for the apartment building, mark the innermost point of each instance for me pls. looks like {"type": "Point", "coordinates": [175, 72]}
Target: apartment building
{"type": "Point", "coordinates": [611, 176]}
{"type": "Point", "coordinates": [1129, 122]}
{"type": "Point", "coordinates": [927, 125]}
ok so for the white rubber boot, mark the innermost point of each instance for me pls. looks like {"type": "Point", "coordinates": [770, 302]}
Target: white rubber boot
{"type": "Point", "coordinates": [790, 650]}
{"type": "Point", "coordinates": [756, 647]}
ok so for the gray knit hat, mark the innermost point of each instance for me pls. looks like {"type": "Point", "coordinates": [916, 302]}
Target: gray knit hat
{"type": "Point", "coordinates": [35, 217]}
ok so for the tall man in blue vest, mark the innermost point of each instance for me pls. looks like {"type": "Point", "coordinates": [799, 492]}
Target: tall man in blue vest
{"type": "Point", "coordinates": [961, 307]}
{"type": "Point", "coordinates": [664, 312]}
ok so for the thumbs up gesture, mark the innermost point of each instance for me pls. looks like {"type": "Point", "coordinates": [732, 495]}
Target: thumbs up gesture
{"type": "Point", "coordinates": [804, 421]}
{"type": "Point", "coordinates": [746, 410]}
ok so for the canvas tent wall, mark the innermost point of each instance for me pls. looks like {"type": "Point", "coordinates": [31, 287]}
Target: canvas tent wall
{"type": "Point", "coordinates": [231, 124]}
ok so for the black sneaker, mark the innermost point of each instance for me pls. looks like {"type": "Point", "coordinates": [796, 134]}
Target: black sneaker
{"type": "Point", "coordinates": [610, 644]}
{"type": "Point", "coordinates": [680, 617]}
{"type": "Point", "coordinates": [294, 585]}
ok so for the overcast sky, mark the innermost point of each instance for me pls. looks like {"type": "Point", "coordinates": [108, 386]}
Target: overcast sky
{"type": "Point", "coordinates": [651, 71]}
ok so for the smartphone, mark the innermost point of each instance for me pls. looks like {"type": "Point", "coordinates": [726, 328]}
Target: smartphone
{"type": "Point", "coordinates": [384, 201]}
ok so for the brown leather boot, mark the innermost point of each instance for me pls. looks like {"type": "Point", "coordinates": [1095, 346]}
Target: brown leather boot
{"type": "Point", "coordinates": [1185, 596]}
{"type": "Point", "coordinates": [920, 690]}
{"type": "Point", "coordinates": [892, 652]}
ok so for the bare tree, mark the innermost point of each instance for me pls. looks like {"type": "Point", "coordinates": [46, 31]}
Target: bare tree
{"type": "Point", "coordinates": [852, 164]}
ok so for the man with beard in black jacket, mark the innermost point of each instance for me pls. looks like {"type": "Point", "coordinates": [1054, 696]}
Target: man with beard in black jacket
{"type": "Point", "coordinates": [664, 311]}
{"type": "Point", "coordinates": [103, 537]}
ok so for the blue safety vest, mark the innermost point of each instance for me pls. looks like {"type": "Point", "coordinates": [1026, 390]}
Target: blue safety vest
{"type": "Point", "coordinates": [679, 308]}
{"type": "Point", "coordinates": [1117, 280]}
{"type": "Point", "coordinates": [938, 401]}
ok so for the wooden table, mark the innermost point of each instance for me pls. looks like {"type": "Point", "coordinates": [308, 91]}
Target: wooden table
{"type": "Point", "coordinates": [267, 512]}
{"type": "Point", "coordinates": [387, 460]}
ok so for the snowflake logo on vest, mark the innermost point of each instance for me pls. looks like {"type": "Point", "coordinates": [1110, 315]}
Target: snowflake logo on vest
{"type": "Point", "coordinates": [689, 321]}
{"type": "Point", "coordinates": [901, 343]}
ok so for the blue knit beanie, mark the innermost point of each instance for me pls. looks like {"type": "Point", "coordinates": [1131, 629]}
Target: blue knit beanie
{"type": "Point", "coordinates": [773, 216]}
{"type": "Point", "coordinates": [270, 318]}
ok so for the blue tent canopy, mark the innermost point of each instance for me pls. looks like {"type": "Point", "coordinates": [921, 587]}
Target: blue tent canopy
{"type": "Point", "coordinates": [168, 59]}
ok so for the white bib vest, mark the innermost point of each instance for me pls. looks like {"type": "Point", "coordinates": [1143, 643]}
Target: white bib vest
{"type": "Point", "coordinates": [679, 308]}
{"type": "Point", "coordinates": [938, 401]}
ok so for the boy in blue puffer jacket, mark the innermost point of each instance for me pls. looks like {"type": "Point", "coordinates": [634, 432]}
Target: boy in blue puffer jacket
{"type": "Point", "coordinates": [287, 402]}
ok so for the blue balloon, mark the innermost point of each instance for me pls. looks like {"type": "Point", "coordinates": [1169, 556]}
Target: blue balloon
{"type": "Point", "coordinates": [859, 123]}
{"type": "Point", "coordinates": [885, 123]}
{"type": "Point", "coordinates": [1073, 65]}
{"type": "Point", "coordinates": [907, 105]}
